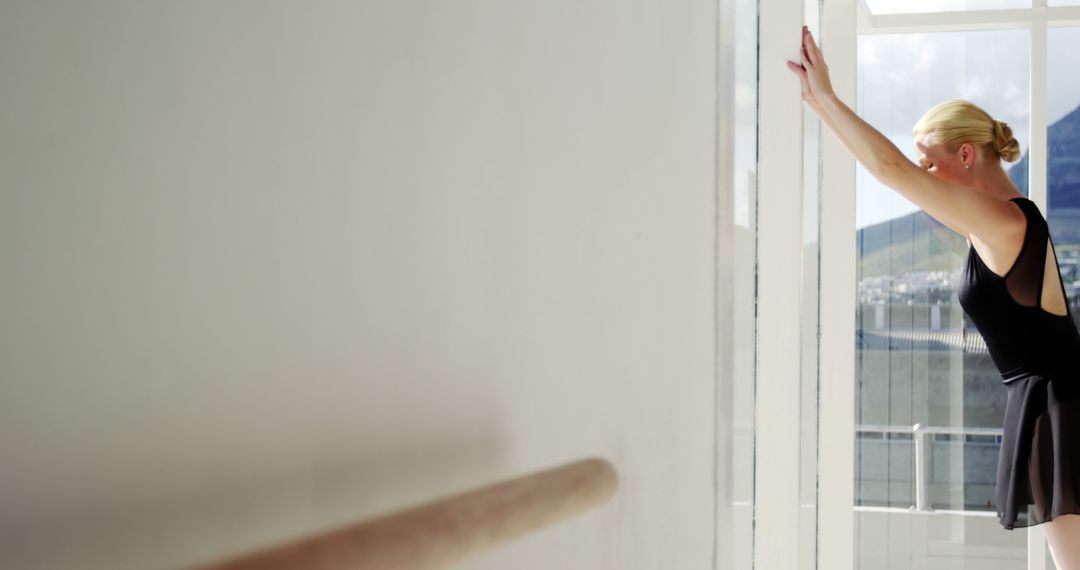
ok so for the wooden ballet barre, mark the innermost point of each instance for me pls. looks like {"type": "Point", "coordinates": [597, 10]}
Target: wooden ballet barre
{"type": "Point", "coordinates": [446, 531]}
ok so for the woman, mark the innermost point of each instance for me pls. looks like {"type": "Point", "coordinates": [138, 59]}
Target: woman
{"type": "Point", "coordinates": [1010, 288]}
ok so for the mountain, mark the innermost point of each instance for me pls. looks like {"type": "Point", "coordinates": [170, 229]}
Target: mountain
{"type": "Point", "coordinates": [1063, 163]}
{"type": "Point", "coordinates": [911, 243]}
{"type": "Point", "coordinates": [1063, 153]}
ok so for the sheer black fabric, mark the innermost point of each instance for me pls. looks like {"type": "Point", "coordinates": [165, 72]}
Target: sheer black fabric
{"type": "Point", "coordinates": [1036, 351]}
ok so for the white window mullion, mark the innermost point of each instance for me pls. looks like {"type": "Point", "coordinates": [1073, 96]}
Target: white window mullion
{"type": "Point", "coordinates": [1037, 145]}
{"type": "Point", "coordinates": [836, 464]}
{"type": "Point", "coordinates": [1036, 535]}
{"type": "Point", "coordinates": [780, 212]}
{"type": "Point", "coordinates": [1036, 549]}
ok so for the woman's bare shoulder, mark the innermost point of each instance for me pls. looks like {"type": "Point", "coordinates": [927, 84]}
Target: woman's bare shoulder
{"type": "Point", "coordinates": [1008, 230]}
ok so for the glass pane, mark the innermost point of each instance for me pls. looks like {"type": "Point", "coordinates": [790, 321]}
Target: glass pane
{"type": "Point", "coordinates": [929, 401]}
{"type": "Point", "coordinates": [1064, 3]}
{"type": "Point", "coordinates": [1063, 154]}
{"type": "Point", "coordinates": [808, 320]}
{"type": "Point", "coordinates": [916, 6]}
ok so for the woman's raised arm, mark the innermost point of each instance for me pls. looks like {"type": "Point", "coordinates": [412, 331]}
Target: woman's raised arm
{"type": "Point", "coordinates": [965, 208]}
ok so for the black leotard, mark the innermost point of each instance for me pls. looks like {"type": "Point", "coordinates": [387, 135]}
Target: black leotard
{"type": "Point", "coordinates": [1037, 354]}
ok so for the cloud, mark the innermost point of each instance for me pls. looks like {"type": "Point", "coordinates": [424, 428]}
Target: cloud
{"type": "Point", "coordinates": [900, 76]}
{"type": "Point", "coordinates": [1063, 59]}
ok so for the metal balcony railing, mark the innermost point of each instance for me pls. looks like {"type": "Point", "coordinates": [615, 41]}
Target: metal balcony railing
{"type": "Point", "coordinates": [921, 438]}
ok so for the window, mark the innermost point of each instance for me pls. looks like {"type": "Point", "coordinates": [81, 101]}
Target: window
{"type": "Point", "coordinates": [929, 401]}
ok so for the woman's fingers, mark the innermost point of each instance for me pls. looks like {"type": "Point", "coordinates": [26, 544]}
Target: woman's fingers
{"type": "Point", "coordinates": [809, 46]}
{"type": "Point", "coordinates": [813, 73]}
{"type": "Point", "coordinates": [798, 69]}
{"type": "Point", "coordinates": [815, 53]}
{"type": "Point", "coordinates": [801, 73]}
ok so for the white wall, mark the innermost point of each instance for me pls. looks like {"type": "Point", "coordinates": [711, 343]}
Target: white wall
{"type": "Point", "coordinates": [269, 267]}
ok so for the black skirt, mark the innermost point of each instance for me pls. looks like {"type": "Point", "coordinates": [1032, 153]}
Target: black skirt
{"type": "Point", "coordinates": [1038, 476]}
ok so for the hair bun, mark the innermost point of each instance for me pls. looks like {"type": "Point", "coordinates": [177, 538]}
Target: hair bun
{"type": "Point", "coordinates": [1005, 143]}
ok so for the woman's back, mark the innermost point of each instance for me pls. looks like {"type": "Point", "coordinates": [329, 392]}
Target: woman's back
{"type": "Point", "coordinates": [1014, 312]}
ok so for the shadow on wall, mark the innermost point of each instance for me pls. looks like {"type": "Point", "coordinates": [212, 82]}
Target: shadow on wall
{"type": "Point", "coordinates": [225, 506]}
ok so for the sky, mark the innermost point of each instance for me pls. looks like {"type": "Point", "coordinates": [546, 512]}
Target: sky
{"type": "Point", "coordinates": [901, 76]}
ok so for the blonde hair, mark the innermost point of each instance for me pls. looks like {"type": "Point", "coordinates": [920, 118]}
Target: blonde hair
{"type": "Point", "coordinates": [955, 122]}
